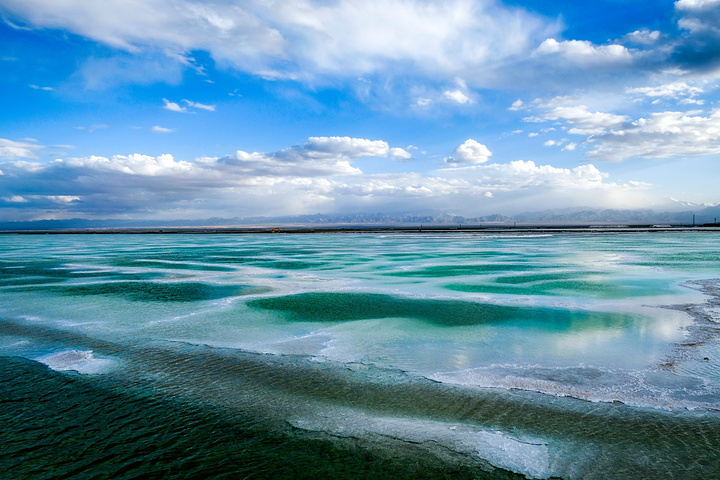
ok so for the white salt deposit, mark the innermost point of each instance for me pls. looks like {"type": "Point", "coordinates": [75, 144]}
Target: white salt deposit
{"type": "Point", "coordinates": [81, 361]}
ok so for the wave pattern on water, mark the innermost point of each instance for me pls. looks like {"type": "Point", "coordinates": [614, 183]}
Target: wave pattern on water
{"type": "Point", "coordinates": [391, 356]}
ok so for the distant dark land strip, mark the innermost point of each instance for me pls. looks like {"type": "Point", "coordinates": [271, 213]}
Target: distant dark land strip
{"type": "Point", "coordinates": [295, 229]}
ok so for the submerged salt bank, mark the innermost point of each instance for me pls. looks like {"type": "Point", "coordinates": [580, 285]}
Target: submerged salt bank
{"type": "Point", "coordinates": [553, 355]}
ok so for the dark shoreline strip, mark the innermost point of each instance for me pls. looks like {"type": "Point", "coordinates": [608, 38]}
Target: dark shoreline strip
{"type": "Point", "coordinates": [372, 229]}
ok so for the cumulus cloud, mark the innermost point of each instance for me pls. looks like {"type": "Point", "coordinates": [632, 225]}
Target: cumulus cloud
{"type": "Point", "coordinates": [349, 147]}
{"type": "Point", "coordinates": [699, 17]}
{"type": "Point", "coordinates": [585, 53]}
{"type": "Point", "coordinates": [585, 122]}
{"type": "Point", "coordinates": [672, 90]}
{"type": "Point", "coordinates": [288, 180]}
{"type": "Point", "coordinates": [518, 180]}
{"type": "Point", "coordinates": [316, 42]}
{"type": "Point", "coordinates": [695, 4]}
{"type": "Point", "coordinates": [12, 149]}
{"type": "Point", "coordinates": [318, 175]}
{"type": "Point", "coordinates": [456, 96]}
{"type": "Point", "coordinates": [318, 157]}
{"type": "Point", "coordinates": [135, 164]}
{"type": "Point", "coordinates": [613, 137]}
{"type": "Point", "coordinates": [697, 49]}
{"type": "Point", "coordinates": [470, 152]}
{"type": "Point", "coordinates": [521, 173]}
{"type": "Point", "coordinates": [460, 95]}
{"type": "Point", "coordinates": [662, 134]}
{"type": "Point", "coordinates": [514, 186]}
{"type": "Point", "coordinates": [173, 107]}
{"type": "Point", "coordinates": [643, 37]}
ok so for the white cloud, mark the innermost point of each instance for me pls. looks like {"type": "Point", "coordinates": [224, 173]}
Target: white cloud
{"type": "Point", "coordinates": [512, 187]}
{"type": "Point", "coordinates": [317, 175]}
{"type": "Point", "coordinates": [230, 32]}
{"type": "Point", "coordinates": [435, 37]}
{"type": "Point", "coordinates": [584, 122]}
{"type": "Point", "coordinates": [176, 107]}
{"type": "Point", "coordinates": [659, 135]}
{"type": "Point", "coordinates": [12, 149]}
{"type": "Point", "coordinates": [585, 53]}
{"type": "Point", "coordinates": [672, 90]}
{"type": "Point", "coordinates": [62, 198]}
{"type": "Point", "coordinates": [293, 163]}
{"type": "Point", "coordinates": [457, 96]}
{"type": "Point", "coordinates": [173, 107]}
{"type": "Point", "coordinates": [210, 108]}
{"type": "Point", "coordinates": [470, 152]}
{"type": "Point", "coordinates": [699, 17]}
{"type": "Point", "coordinates": [695, 4]}
{"type": "Point", "coordinates": [318, 157]}
{"type": "Point", "coordinates": [15, 199]}
{"type": "Point", "coordinates": [349, 147]}
{"type": "Point", "coordinates": [135, 164]}
{"type": "Point", "coordinates": [36, 87]}
{"type": "Point", "coordinates": [643, 37]}
{"type": "Point", "coordinates": [306, 38]}
{"type": "Point", "coordinates": [159, 129]}
{"type": "Point", "coordinates": [663, 134]}
{"type": "Point", "coordinates": [516, 105]}
{"type": "Point", "coordinates": [286, 181]}
{"type": "Point", "coordinates": [526, 173]}
{"type": "Point", "coordinates": [480, 180]}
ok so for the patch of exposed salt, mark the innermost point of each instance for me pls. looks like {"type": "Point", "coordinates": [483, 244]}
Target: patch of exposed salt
{"type": "Point", "coordinates": [81, 361]}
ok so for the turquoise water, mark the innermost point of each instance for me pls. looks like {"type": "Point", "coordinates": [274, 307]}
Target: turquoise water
{"type": "Point", "coordinates": [458, 355]}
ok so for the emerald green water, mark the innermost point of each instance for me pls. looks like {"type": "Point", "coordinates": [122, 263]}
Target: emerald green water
{"type": "Point", "coordinates": [459, 355]}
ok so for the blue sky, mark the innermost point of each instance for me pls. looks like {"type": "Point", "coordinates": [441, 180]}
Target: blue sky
{"type": "Point", "coordinates": [172, 109]}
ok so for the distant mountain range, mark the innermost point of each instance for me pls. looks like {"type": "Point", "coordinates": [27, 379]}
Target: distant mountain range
{"type": "Point", "coordinates": [697, 216]}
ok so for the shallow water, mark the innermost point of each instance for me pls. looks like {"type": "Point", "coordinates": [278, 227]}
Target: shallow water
{"type": "Point", "coordinates": [460, 354]}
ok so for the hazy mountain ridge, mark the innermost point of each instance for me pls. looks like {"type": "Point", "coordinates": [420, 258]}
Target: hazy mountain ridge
{"type": "Point", "coordinates": [547, 217]}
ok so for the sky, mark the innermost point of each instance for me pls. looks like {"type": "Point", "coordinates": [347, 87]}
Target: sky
{"type": "Point", "coordinates": [189, 109]}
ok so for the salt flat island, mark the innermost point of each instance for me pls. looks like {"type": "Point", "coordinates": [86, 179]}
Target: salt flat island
{"type": "Point", "coordinates": [462, 354]}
